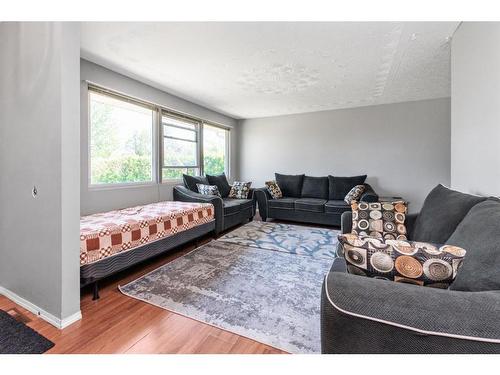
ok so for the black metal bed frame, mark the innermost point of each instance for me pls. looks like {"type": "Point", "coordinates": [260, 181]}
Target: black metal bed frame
{"type": "Point", "coordinates": [94, 272]}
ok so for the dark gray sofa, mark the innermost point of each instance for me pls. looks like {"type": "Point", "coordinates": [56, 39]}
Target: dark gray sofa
{"type": "Point", "coordinates": [229, 212]}
{"type": "Point", "coordinates": [317, 200]}
{"type": "Point", "coordinates": [367, 315]}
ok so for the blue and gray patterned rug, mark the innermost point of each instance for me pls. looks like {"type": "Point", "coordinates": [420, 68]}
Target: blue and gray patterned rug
{"type": "Point", "coordinates": [293, 239]}
{"type": "Point", "coordinates": [262, 281]}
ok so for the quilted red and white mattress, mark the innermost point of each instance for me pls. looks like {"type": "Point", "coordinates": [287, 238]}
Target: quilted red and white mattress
{"type": "Point", "coordinates": [106, 234]}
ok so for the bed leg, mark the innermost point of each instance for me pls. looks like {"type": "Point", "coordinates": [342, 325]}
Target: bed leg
{"type": "Point", "coordinates": [95, 287]}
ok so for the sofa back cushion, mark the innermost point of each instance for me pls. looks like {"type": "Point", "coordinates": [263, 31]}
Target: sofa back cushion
{"type": "Point", "coordinates": [190, 182]}
{"type": "Point", "coordinates": [441, 213]}
{"type": "Point", "coordinates": [479, 233]}
{"type": "Point", "coordinates": [340, 186]}
{"type": "Point", "coordinates": [315, 187]}
{"type": "Point", "coordinates": [290, 185]}
{"type": "Point", "coordinates": [221, 182]}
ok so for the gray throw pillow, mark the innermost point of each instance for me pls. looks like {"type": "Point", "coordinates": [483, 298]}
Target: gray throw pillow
{"type": "Point", "coordinates": [221, 182]}
{"type": "Point", "coordinates": [479, 233]}
{"type": "Point", "coordinates": [442, 211]}
{"type": "Point", "coordinates": [191, 181]}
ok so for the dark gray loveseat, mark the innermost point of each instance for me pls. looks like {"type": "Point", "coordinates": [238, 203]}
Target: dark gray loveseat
{"type": "Point", "coordinates": [318, 200]}
{"type": "Point", "coordinates": [367, 315]}
{"type": "Point", "coordinates": [229, 212]}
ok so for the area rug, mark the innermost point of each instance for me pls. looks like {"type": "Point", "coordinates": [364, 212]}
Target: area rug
{"type": "Point", "coordinates": [269, 296]}
{"type": "Point", "coordinates": [17, 338]}
{"type": "Point", "coordinates": [295, 239]}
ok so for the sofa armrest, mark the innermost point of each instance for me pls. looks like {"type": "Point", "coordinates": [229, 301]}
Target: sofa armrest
{"type": "Point", "coordinates": [346, 222]}
{"type": "Point", "coordinates": [367, 315]}
{"type": "Point", "coordinates": [410, 224]}
{"type": "Point", "coordinates": [262, 196]}
{"type": "Point", "coordinates": [369, 195]}
{"type": "Point", "coordinates": [183, 194]}
{"type": "Point", "coordinates": [252, 196]}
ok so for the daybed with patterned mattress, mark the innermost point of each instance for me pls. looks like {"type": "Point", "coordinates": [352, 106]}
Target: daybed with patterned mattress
{"type": "Point", "coordinates": [114, 240]}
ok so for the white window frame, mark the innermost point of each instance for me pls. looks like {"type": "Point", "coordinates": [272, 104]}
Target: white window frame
{"type": "Point", "coordinates": [227, 164]}
{"type": "Point", "coordinates": [157, 139]}
{"type": "Point", "coordinates": [199, 145]}
{"type": "Point", "coordinates": [154, 146]}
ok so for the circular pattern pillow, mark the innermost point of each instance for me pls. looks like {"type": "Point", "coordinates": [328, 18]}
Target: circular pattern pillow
{"type": "Point", "coordinates": [418, 263]}
{"type": "Point", "coordinates": [381, 219]}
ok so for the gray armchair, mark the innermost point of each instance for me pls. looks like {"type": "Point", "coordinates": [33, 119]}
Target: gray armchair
{"type": "Point", "coordinates": [228, 211]}
{"type": "Point", "coordinates": [367, 315]}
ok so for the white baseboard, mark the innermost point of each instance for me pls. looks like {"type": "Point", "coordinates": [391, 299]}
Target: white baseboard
{"type": "Point", "coordinates": [48, 317]}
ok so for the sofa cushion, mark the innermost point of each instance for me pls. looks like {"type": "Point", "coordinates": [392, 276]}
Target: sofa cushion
{"type": "Point", "coordinates": [479, 233]}
{"type": "Point", "coordinates": [191, 181]}
{"type": "Point", "coordinates": [310, 204]}
{"type": "Point", "coordinates": [290, 185]}
{"type": "Point", "coordinates": [221, 182]}
{"type": "Point", "coordinates": [380, 219]}
{"type": "Point", "coordinates": [315, 187]}
{"type": "Point", "coordinates": [232, 206]}
{"type": "Point", "coordinates": [336, 207]}
{"type": "Point", "coordinates": [340, 186]}
{"type": "Point", "coordinates": [409, 262]}
{"type": "Point", "coordinates": [441, 213]}
{"type": "Point", "coordinates": [287, 203]}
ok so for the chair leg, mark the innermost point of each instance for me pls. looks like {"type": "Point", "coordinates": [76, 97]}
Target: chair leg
{"type": "Point", "coordinates": [95, 287]}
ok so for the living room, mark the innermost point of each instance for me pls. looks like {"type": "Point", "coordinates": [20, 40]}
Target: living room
{"type": "Point", "coordinates": [306, 187]}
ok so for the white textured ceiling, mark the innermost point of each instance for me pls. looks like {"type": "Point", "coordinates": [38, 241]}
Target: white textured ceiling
{"type": "Point", "coordinates": [249, 70]}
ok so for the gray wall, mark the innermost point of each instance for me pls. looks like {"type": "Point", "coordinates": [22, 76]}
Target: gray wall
{"type": "Point", "coordinates": [404, 148]}
{"type": "Point", "coordinates": [97, 200]}
{"type": "Point", "coordinates": [39, 145]}
{"type": "Point", "coordinates": [475, 108]}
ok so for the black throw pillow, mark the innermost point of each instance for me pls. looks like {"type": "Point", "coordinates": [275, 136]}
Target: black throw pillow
{"type": "Point", "coordinates": [191, 181]}
{"type": "Point", "coordinates": [441, 213]}
{"type": "Point", "coordinates": [480, 231]}
{"type": "Point", "coordinates": [290, 185]}
{"type": "Point", "coordinates": [315, 187]}
{"type": "Point", "coordinates": [221, 182]}
{"type": "Point", "coordinates": [340, 186]}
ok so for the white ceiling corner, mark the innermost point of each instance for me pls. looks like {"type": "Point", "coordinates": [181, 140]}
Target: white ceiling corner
{"type": "Point", "coordinates": [259, 69]}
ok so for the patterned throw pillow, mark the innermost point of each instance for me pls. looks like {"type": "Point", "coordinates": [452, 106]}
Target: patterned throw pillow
{"type": "Point", "coordinates": [354, 194]}
{"type": "Point", "coordinates": [274, 189]}
{"type": "Point", "coordinates": [418, 263]}
{"type": "Point", "coordinates": [381, 219]}
{"type": "Point", "coordinates": [240, 190]}
{"type": "Point", "coordinates": [208, 189]}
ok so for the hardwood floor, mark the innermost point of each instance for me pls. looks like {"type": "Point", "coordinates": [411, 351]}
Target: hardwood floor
{"type": "Point", "coordinates": [119, 324]}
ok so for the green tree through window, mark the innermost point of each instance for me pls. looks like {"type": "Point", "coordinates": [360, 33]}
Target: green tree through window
{"type": "Point", "coordinates": [121, 141]}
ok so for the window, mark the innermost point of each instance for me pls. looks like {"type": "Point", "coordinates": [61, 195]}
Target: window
{"type": "Point", "coordinates": [136, 142]}
{"type": "Point", "coordinates": [180, 147]}
{"type": "Point", "coordinates": [215, 149]}
{"type": "Point", "coordinates": [121, 140]}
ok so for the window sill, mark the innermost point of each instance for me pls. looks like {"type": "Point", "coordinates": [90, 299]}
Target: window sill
{"type": "Point", "coordinates": [99, 187]}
